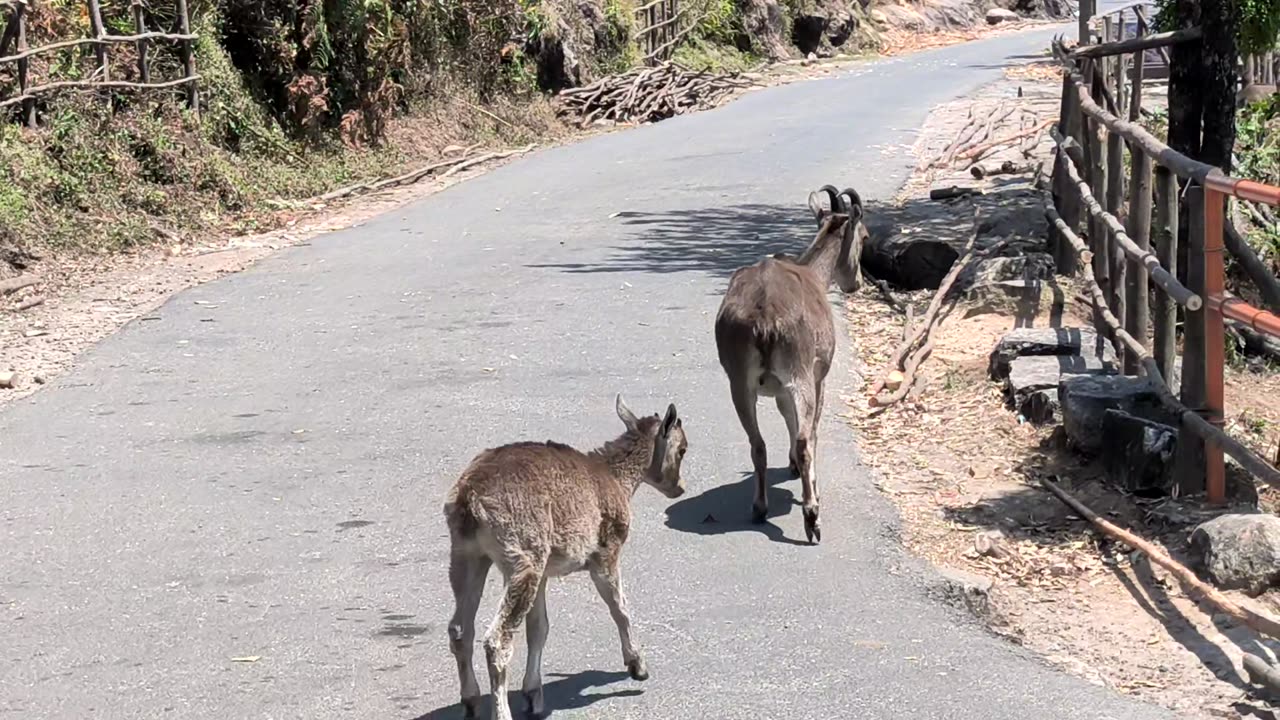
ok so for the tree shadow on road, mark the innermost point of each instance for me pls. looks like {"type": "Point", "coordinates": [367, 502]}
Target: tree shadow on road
{"type": "Point", "coordinates": [727, 509]}
{"type": "Point", "coordinates": [565, 694]}
{"type": "Point", "coordinates": [713, 240]}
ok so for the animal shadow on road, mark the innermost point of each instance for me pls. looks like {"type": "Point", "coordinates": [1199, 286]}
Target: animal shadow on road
{"type": "Point", "coordinates": [727, 508]}
{"type": "Point", "coordinates": [567, 693]}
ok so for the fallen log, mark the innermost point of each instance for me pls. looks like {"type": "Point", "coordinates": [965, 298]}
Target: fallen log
{"type": "Point", "coordinates": [1261, 672]}
{"type": "Point", "coordinates": [1195, 587]}
{"type": "Point", "coordinates": [955, 191]}
{"type": "Point", "coordinates": [906, 261]}
{"type": "Point", "coordinates": [13, 285]}
{"type": "Point", "coordinates": [1008, 167]}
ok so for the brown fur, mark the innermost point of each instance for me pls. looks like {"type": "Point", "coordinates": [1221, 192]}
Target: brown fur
{"type": "Point", "coordinates": [775, 336]}
{"type": "Point", "coordinates": [540, 510]}
{"type": "Point", "coordinates": [1251, 93]}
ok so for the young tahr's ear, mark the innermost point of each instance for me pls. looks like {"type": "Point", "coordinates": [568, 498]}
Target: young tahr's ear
{"type": "Point", "coordinates": [627, 417]}
{"type": "Point", "coordinates": [670, 421]}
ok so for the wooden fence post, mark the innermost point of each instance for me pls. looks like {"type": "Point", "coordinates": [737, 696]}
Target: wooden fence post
{"type": "Point", "coordinates": [1166, 237]}
{"type": "Point", "coordinates": [1114, 199]}
{"type": "Point", "coordinates": [1189, 464]}
{"type": "Point", "coordinates": [1066, 197]}
{"type": "Point", "coordinates": [1139, 69]}
{"type": "Point", "coordinates": [24, 66]}
{"type": "Point", "coordinates": [1137, 316]}
{"type": "Point", "coordinates": [1086, 10]}
{"type": "Point", "coordinates": [99, 48]}
{"type": "Point", "coordinates": [188, 57]}
{"type": "Point", "coordinates": [140, 27]}
{"type": "Point", "coordinates": [1098, 234]}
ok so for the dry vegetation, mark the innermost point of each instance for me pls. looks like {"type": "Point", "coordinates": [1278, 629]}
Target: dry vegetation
{"type": "Point", "coordinates": [965, 472]}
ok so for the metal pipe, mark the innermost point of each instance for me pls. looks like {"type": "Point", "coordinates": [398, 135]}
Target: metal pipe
{"type": "Point", "coordinates": [1214, 340]}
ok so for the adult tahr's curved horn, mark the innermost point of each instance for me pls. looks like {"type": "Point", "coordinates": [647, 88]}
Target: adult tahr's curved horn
{"type": "Point", "coordinates": [855, 200]}
{"type": "Point", "coordinates": [815, 204]}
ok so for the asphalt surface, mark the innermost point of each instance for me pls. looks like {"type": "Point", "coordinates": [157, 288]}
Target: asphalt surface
{"type": "Point", "coordinates": [258, 474]}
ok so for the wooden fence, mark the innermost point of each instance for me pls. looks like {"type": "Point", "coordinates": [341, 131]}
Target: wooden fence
{"type": "Point", "coordinates": [15, 34]}
{"type": "Point", "coordinates": [663, 25]}
{"type": "Point", "coordinates": [1101, 104]}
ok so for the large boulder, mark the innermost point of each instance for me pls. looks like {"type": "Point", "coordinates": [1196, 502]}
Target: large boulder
{"type": "Point", "coordinates": [1024, 342]}
{"type": "Point", "coordinates": [995, 16]}
{"type": "Point", "coordinates": [1034, 373]}
{"type": "Point", "coordinates": [764, 24]}
{"type": "Point", "coordinates": [1085, 399]}
{"type": "Point", "coordinates": [1239, 552]}
{"type": "Point", "coordinates": [1138, 454]}
{"type": "Point", "coordinates": [1032, 267]}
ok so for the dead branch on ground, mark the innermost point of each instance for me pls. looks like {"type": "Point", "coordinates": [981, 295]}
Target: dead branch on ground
{"type": "Point", "coordinates": [648, 94]}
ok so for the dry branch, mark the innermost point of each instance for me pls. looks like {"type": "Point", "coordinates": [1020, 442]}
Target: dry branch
{"type": "Point", "coordinates": [455, 165]}
{"type": "Point", "coordinates": [648, 94]}
{"type": "Point", "coordinates": [976, 152]}
{"type": "Point", "coordinates": [15, 284]}
{"type": "Point", "coordinates": [104, 40]}
{"type": "Point", "coordinates": [1194, 586]}
{"type": "Point", "coordinates": [32, 92]}
{"type": "Point", "coordinates": [903, 358]}
{"type": "Point", "coordinates": [1008, 167]}
{"type": "Point", "coordinates": [1124, 47]}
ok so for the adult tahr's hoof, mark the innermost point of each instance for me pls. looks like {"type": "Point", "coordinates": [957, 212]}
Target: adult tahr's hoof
{"type": "Point", "coordinates": [471, 708]}
{"type": "Point", "coordinates": [794, 467]}
{"type": "Point", "coordinates": [534, 706]}
{"type": "Point", "coordinates": [637, 670]}
{"type": "Point", "coordinates": [812, 525]}
{"type": "Point", "coordinates": [759, 513]}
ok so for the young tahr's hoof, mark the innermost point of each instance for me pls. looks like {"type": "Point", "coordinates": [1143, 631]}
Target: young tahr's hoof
{"type": "Point", "coordinates": [471, 708]}
{"type": "Point", "coordinates": [637, 670]}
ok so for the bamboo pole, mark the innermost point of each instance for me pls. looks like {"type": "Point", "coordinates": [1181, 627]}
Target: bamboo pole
{"type": "Point", "coordinates": [1139, 69]}
{"type": "Point", "coordinates": [104, 40]}
{"type": "Point", "coordinates": [140, 27]}
{"type": "Point", "coordinates": [1194, 586]}
{"type": "Point", "coordinates": [1195, 426]}
{"type": "Point", "coordinates": [1139, 44]}
{"type": "Point", "coordinates": [24, 68]}
{"type": "Point", "coordinates": [1189, 465]}
{"type": "Point", "coordinates": [1063, 256]}
{"type": "Point", "coordinates": [92, 85]}
{"type": "Point", "coordinates": [99, 48]}
{"type": "Point", "coordinates": [188, 58]}
{"type": "Point", "coordinates": [1137, 314]}
{"type": "Point", "coordinates": [1166, 236]}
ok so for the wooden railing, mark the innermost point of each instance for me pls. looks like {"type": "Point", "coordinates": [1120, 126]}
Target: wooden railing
{"type": "Point", "coordinates": [1101, 104]}
{"type": "Point", "coordinates": [664, 25]}
{"type": "Point", "coordinates": [15, 34]}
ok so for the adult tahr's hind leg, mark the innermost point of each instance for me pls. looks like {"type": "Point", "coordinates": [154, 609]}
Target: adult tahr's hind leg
{"type": "Point", "coordinates": [813, 527]}
{"type": "Point", "coordinates": [802, 394]}
{"type": "Point", "coordinates": [787, 408]}
{"type": "Point", "coordinates": [467, 573]}
{"type": "Point", "coordinates": [744, 401]}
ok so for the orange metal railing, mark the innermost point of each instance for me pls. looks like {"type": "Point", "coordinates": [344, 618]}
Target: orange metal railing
{"type": "Point", "coordinates": [1219, 307]}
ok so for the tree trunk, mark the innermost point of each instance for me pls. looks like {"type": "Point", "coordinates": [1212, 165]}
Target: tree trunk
{"type": "Point", "coordinates": [1185, 108]}
{"type": "Point", "coordinates": [907, 262]}
{"type": "Point", "coordinates": [1221, 22]}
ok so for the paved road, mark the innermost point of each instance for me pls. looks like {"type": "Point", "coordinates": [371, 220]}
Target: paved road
{"type": "Point", "coordinates": [262, 475]}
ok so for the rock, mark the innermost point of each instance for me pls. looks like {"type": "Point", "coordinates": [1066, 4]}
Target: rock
{"type": "Point", "coordinates": [1138, 454]}
{"type": "Point", "coordinates": [7, 379]}
{"type": "Point", "coordinates": [1085, 399]}
{"type": "Point", "coordinates": [1030, 267]}
{"type": "Point", "coordinates": [995, 16]}
{"type": "Point", "coordinates": [1043, 372]}
{"type": "Point", "coordinates": [971, 589]}
{"type": "Point", "coordinates": [763, 25]}
{"type": "Point", "coordinates": [878, 17]}
{"type": "Point", "coordinates": [1239, 552]}
{"type": "Point", "coordinates": [1024, 342]}
{"type": "Point", "coordinates": [1023, 299]}
{"type": "Point", "coordinates": [1041, 407]}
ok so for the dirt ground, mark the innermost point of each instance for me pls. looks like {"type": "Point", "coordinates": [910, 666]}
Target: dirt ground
{"type": "Point", "coordinates": [959, 464]}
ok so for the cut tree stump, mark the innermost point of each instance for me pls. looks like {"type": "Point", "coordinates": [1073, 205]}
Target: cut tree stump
{"type": "Point", "coordinates": [1138, 454]}
{"type": "Point", "coordinates": [907, 262]}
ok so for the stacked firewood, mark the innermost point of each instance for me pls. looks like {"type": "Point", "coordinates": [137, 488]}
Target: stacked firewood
{"type": "Point", "coordinates": [649, 94]}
